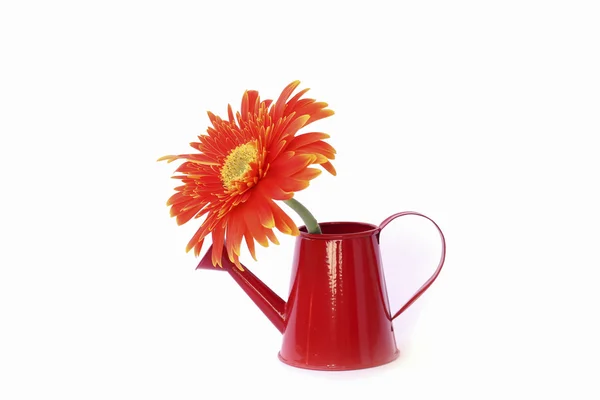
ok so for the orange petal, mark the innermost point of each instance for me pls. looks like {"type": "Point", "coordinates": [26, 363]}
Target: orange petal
{"type": "Point", "coordinates": [319, 147]}
{"type": "Point", "coordinates": [235, 232]}
{"type": "Point", "coordinates": [196, 240]}
{"type": "Point", "coordinates": [293, 165]}
{"type": "Point", "coordinates": [275, 151]}
{"type": "Point", "coordinates": [213, 118]}
{"type": "Point", "coordinates": [186, 215]}
{"type": "Point", "coordinates": [291, 104]}
{"type": "Point", "coordinates": [198, 247]}
{"type": "Point", "coordinates": [307, 138]}
{"type": "Point", "coordinates": [218, 238]}
{"type": "Point", "coordinates": [296, 125]}
{"type": "Point", "coordinates": [329, 167]}
{"type": "Point", "coordinates": [283, 222]}
{"type": "Point", "coordinates": [168, 159]}
{"type": "Point", "coordinates": [277, 111]}
{"type": "Point", "coordinates": [264, 213]}
{"type": "Point", "coordinates": [294, 185]}
{"type": "Point", "coordinates": [236, 261]}
{"type": "Point", "coordinates": [319, 158]}
{"type": "Point", "coordinates": [316, 111]}
{"type": "Point", "coordinates": [307, 174]}
{"type": "Point", "coordinates": [272, 237]}
{"type": "Point", "coordinates": [245, 107]}
{"type": "Point", "coordinates": [320, 115]}
{"type": "Point", "coordinates": [177, 198]}
{"type": "Point", "coordinates": [193, 158]}
{"type": "Point", "coordinates": [255, 229]}
{"type": "Point", "coordinates": [269, 188]}
{"type": "Point", "coordinates": [250, 102]}
{"type": "Point", "coordinates": [282, 157]}
{"type": "Point", "coordinates": [250, 244]}
{"type": "Point", "coordinates": [254, 101]}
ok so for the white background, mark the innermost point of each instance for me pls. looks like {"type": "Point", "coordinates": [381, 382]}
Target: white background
{"type": "Point", "coordinates": [479, 114]}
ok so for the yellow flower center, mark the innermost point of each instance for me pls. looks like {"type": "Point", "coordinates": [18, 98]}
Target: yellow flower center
{"type": "Point", "coordinates": [237, 163]}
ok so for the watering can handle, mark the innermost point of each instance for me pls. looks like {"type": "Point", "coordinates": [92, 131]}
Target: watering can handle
{"type": "Point", "coordinates": [428, 283]}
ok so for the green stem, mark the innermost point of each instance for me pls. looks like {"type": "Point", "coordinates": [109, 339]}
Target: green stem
{"type": "Point", "coordinates": [309, 220]}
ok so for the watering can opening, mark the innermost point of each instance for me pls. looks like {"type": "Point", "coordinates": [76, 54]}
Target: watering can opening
{"type": "Point", "coordinates": [340, 230]}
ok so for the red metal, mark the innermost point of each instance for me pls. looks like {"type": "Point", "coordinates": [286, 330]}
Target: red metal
{"type": "Point", "coordinates": [426, 285]}
{"type": "Point", "coordinates": [338, 315]}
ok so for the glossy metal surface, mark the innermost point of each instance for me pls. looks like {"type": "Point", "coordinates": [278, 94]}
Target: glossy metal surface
{"type": "Point", "coordinates": [338, 315]}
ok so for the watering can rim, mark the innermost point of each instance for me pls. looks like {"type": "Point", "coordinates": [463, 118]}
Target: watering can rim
{"type": "Point", "coordinates": [369, 230]}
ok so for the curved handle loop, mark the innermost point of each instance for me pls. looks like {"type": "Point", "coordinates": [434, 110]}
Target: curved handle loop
{"type": "Point", "coordinates": [428, 283]}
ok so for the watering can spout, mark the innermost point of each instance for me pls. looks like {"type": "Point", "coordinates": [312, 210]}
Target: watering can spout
{"type": "Point", "coordinates": [267, 301]}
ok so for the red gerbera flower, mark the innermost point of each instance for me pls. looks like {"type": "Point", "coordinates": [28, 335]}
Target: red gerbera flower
{"type": "Point", "coordinates": [243, 164]}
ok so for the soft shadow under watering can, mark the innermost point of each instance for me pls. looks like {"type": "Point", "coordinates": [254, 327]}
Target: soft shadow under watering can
{"type": "Point", "coordinates": [337, 316]}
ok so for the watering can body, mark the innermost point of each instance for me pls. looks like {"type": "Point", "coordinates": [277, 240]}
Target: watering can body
{"type": "Point", "coordinates": [337, 316]}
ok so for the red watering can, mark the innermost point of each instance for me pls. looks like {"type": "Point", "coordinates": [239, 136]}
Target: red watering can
{"type": "Point", "coordinates": [337, 316]}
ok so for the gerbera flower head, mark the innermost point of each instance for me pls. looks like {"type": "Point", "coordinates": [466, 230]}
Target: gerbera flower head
{"type": "Point", "coordinates": [243, 165]}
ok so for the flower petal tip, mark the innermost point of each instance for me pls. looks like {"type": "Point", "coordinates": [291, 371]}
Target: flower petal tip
{"type": "Point", "coordinates": [268, 224]}
{"type": "Point", "coordinates": [303, 119]}
{"type": "Point", "coordinates": [168, 159]}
